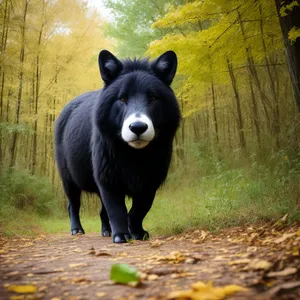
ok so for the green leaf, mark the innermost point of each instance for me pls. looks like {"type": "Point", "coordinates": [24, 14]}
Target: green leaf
{"type": "Point", "coordinates": [123, 273]}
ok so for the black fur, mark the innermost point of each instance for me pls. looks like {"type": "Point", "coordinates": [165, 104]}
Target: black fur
{"type": "Point", "coordinates": [92, 156]}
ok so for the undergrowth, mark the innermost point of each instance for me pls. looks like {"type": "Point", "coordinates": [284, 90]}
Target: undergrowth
{"type": "Point", "coordinates": [206, 192]}
{"type": "Point", "coordinates": [24, 201]}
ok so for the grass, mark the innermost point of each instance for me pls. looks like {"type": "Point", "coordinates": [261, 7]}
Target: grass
{"type": "Point", "coordinates": [227, 198]}
{"type": "Point", "coordinates": [210, 195]}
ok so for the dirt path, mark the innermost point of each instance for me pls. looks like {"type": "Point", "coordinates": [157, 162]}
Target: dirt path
{"type": "Point", "coordinates": [65, 267]}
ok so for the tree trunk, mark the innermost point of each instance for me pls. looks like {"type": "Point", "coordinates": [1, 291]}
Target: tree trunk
{"type": "Point", "coordinates": [21, 73]}
{"type": "Point", "coordinates": [253, 98]}
{"type": "Point", "coordinates": [240, 122]}
{"type": "Point", "coordinates": [276, 116]}
{"type": "Point", "coordinates": [292, 49]}
{"type": "Point", "coordinates": [213, 94]}
{"type": "Point", "coordinates": [37, 86]}
{"type": "Point", "coordinates": [5, 26]}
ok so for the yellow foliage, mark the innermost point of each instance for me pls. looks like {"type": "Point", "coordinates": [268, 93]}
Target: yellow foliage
{"type": "Point", "coordinates": [294, 33]}
{"type": "Point", "coordinates": [202, 291]}
{"type": "Point", "coordinates": [285, 9]}
{"type": "Point", "coordinates": [224, 34]}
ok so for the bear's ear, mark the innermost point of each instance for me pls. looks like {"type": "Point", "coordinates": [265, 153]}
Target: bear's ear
{"type": "Point", "coordinates": [165, 67]}
{"type": "Point", "coordinates": [109, 66]}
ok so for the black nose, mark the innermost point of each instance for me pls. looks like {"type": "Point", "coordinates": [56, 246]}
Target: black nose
{"type": "Point", "coordinates": [138, 127]}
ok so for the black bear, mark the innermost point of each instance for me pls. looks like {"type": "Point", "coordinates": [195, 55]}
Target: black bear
{"type": "Point", "coordinates": [117, 141]}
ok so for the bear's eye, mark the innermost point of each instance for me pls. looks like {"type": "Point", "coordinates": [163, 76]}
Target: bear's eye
{"type": "Point", "coordinates": [153, 98]}
{"type": "Point", "coordinates": [123, 99]}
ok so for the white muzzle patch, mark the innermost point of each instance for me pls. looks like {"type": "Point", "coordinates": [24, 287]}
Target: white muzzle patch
{"type": "Point", "coordinates": [137, 130]}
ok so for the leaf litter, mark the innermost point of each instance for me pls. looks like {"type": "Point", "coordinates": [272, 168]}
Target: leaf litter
{"type": "Point", "coordinates": [254, 261]}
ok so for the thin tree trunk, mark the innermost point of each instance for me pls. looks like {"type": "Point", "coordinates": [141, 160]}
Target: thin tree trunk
{"type": "Point", "coordinates": [213, 94]}
{"type": "Point", "coordinates": [253, 98]}
{"type": "Point", "coordinates": [276, 119]}
{"type": "Point", "coordinates": [240, 122]}
{"type": "Point", "coordinates": [37, 85]}
{"type": "Point", "coordinates": [46, 145]}
{"type": "Point", "coordinates": [9, 94]}
{"type": "Point", "coordinates": [264, 98]}
{"type": "Point", "coordinates": [2, 72]}
{"type": "Point", "coordinates": [21, 73]}
{"type": "Point", "coordinates": [292, 50]}
{"type": "Point", "coordinates": [229, 128]}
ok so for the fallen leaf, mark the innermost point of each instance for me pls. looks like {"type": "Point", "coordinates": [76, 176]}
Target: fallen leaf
{"type": "Point", "coordinates": [285, 272]}
{"type": "Point", "coordinates": [284, 237]}
{"type": "Point", "coordinates": [239, 261]}
{"type": "Point", "coordinates": [175, 257]}
{"type": "Point", "coordinates": [182, 275]}
{"type": "Point", "coordinates": [259, 264]}
{"type": "Point", "coordinates": [43, 288]}
{"type": "Point", "coordinates": [295, 251]}
{"type": "Point", "coordinates": [284, 286]}
{"type": "Point", "coordinates": [79, 265]}
{"type": "Point", "coordinates": [252, 249]}
{"type": "Point", "coordinates": [17, 297]}
{"type": "Point", "coordinates": [100, 294]}
{"type": "Point", "coordinates": [156, 243]}
{"type": "Point", "coordinates": [201, 238]}
{"type": "Point", "coordinates": [123, 273]}
{"type": "Point", "coordinates": [80, 279]}
{"type": "Point", "coordinates": [190, 261]}
{"type": "Point", "coordinates": [78, 250]}
{"type": "Point", "coordinates": [122, 254]}
{"type": "Point", "coordinates": [59, 270]}
{"type": "Point", "coordinates": [203, 291]}
{"type": "Point", "coordinates": [13, 273]}
{"type": "Point", "coordinates": [22, 289]}
{"type": "Point", "coordinates": [152, 277]}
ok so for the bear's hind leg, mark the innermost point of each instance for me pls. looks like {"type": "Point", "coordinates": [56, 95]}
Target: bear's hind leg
{"type": "Point", "coordinates": [106, 230]}
{"type": "Point", "coordinates": [73, 193]}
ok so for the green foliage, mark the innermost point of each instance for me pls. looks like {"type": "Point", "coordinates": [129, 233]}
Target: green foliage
{"type": "Point", "coordinates": [214, 194]}
{"type": "Point", "coordinates": [23, 197]}
{"type": "Point", "coordinates": [131, 24]}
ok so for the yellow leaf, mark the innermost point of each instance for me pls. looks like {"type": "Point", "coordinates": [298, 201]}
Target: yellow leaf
{"type": "Point", "coordinates": [259, 264]}
{"type": "Point", "coordinates": [152, 277]}
{"type": "Point", "coordinates": [17, 297]}
{"type": "Point", "coordinates": [294, 33]}
{"type": "Point", "coordinates": [156, 243]}
{"type": "Point", "coordinates": [79, 265]}
{"type": "Point", "coordinates": [239, 261]}
{"type": "Point", "coordinates": [284, 237]}
{"type": "Point", "coordinates": [100, 294]}
{"type": "Point", "coordinates": [295, 251]}
{"type": "Point", "coordinates": [22, 289]}
{"type": "Point", "coordinates": [203, 291]}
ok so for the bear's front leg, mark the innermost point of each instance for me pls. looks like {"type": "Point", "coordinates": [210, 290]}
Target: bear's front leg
{"type": "Point", "coordinates": [114, 203]}
{"type": "Point", "coordinates": [141, 204]}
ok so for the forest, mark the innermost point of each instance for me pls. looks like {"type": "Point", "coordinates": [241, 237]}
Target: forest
{"type": "Point", "coordinates": [236, 154]}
